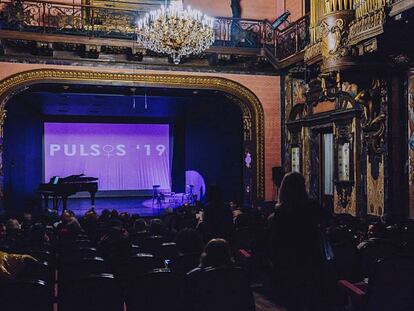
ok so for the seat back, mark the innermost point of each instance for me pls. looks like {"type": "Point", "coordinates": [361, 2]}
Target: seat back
{"type": "Point", "coordinates": [220, 289]}
{"type": "Point", "coordinates": [159, 289]}
{"type": "Point", "coordinates": [391, 286]}
{"type": "Point", "coordinates": [96, 292]}
{"type": "Point", "coordinates": [374, 251]}
{"type": "Point", "coordinates": [75, 253]}
{"type": "Point", "coordinates": [152, 244]}
{"type": "Point", "coordinates": [80, 268]}
{"type": "Point", "coordinates": [345, 261]}
{"type": "Point", "coordinates": [167, 251]}
{"type": "Point", "coordinates": [23, 295]}
{"type": "Point", "coordinates": [138, 265]}
{"type": "Point", "coordinates": [185, 263]}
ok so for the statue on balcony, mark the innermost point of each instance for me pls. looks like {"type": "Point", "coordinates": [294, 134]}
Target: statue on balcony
{"type": "Point", "coordinates": [235, 8]}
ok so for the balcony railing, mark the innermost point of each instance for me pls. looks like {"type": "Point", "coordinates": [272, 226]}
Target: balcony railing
{"type": "Point", "coordinates": [48, 17]}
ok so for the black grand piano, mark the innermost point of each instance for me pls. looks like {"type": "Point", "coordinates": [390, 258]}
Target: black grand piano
{"type": "Point", "coordinates": [67, 186]}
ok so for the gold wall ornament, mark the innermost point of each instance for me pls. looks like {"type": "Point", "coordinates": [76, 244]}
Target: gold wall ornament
{"type": "Point", "coordinates": [312, 52]}
{"type": "Point", "coordinates": [335, 48]}
{"type": "Point", "coordinates": [24, 79]}
{"type": "Point", "coordinates": [410, 140]}
{"type": "Point", "coordinates": [374, 117]}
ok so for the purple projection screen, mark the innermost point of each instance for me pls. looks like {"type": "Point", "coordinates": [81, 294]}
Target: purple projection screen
{"type": "Point", "coordinates": [122, 156]}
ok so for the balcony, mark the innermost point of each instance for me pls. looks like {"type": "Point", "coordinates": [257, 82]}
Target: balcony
{"type": "Point", "coordinates": [52, 26]}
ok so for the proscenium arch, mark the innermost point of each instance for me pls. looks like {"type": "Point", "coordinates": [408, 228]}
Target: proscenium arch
{"type": "Point", "coordinates": [246, 98]}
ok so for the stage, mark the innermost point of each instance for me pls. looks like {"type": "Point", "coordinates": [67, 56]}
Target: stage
{"type": "Point", "coordinates": [142, 206]}
{"type": "Point", "coordinates": [120, 148]}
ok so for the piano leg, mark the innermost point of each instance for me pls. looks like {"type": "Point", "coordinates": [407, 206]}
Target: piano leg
{"type": "Point", "coordinates": [93, 199]}
{"type": "Point", "coordinates": [64, 202]}
{"type": "Point", "coordinates": [55, 202]}
{"type": "Point", "coordinates": [46, 199]}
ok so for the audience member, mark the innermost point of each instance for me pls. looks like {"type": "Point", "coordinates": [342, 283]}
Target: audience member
{"type": "Point", "coordinates": [294, 245]}
{"type": "Point", "coordinates": [217, 217]}
{"type": "Point", "coordinates": [13, 265]}
{"type": "Point", "coordinates": [376, 232]}
{"type": "Point", "coordinates": [140, 225]}
{"type": "Point", "coordinates": [216, 254]}
{"type": "Point", "coordinates": [115, 245]}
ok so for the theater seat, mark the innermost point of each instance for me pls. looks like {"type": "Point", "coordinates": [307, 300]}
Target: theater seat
{"type": "Point", "coordinates": [97, 292]}
{"type": "Point", "coordinates": [80, 268]}
{"type": "Point", "coordinates": [139, 264]}
{"type": "Point", "coordinates": [371, 252]}
{"type": "Point", "coordinates": [25, 295]}
{"type": "Point", "coordinates": [390, 287]}
{"type": "Point", "coordinates": [152, 244]}
{"type": "Point", "coordinates": [167, 251]}
{"type": "Point", "coordinates": [219, 289]}
{"type": "Point", "coordinates": [157, 290]}
{"type": "Point", "coordinates": [184, 263]}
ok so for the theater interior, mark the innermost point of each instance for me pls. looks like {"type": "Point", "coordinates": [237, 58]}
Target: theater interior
{"type": "Point", "coordinates": [189, 155]}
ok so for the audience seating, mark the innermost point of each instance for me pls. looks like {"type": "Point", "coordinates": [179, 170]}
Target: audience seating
{"type": "Point", "coordinates": [80, 268]}
{"type": "Point", "coordinates": [371, 252]}
{"type": "Point", "coordinates": [96, 292]}
{"type": "Point", "coordinates": [137, 265]}
{"type": "Point", "coordinates": [74, 253]}
{"type": "Point", "coordinates": [152, 244]}
{"type": "Point", "coordinates": [184, 263]}
{"type": "Point", "coordinates": [159, 289]}
{"type": "Point", "coordinates": [25, 295]}
{"type": "Point", "coordinates": [218, 289]}
{"type": "Point", "coordinates": [390, 287]}
{"type": "Point", "coordinates": [167, 251]}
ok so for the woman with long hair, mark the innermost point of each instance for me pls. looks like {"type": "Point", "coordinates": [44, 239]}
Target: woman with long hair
{"type": "Point", "coordinates": [294, 247]}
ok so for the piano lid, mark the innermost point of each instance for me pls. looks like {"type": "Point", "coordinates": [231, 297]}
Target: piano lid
{"type": "Point", "coordinates": [81, 178]}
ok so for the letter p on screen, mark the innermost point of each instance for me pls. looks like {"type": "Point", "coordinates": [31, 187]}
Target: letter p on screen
{"type": "Point", "coordinates": [53, 148]}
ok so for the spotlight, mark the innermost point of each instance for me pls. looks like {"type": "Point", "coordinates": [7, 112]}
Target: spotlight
{"type": "Point", "coordinates": [280, 20]}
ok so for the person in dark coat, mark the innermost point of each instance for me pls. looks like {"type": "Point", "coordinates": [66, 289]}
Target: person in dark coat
{"type": "Point", "coordinates": [294, 245]}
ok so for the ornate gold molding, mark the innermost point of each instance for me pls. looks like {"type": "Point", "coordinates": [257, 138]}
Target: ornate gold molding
{"type": "Point", "coordinates": [367, 26]}
{"type": "Point", "coordinates": [10, 85]}
{"type": "Point", "coordinates": [312, 52]}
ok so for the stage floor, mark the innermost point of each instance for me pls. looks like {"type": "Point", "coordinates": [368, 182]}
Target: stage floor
{"type": "Point", "coordinates": [142, 206]}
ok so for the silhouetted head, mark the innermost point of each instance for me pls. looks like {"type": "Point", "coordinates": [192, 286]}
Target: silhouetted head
{"type": "Point", "coordinates": [293, 193]}
{"type": "Point", "coordinates": [376, 230]}
{"type": "Point", "coordinates": [114, 213]}
{"type": "Point", "coordinates": [27, 217]}
{"type": "Point", "coordinates": [156, 227]}
{"type": "Point", "coordinates": [216, 254]}
{"type": "Point", "coordinates": [140, 225]}
{"type": "Point", "coordinates": [66, 216]}
{"type": "Point", "coordinates": [13, 224]}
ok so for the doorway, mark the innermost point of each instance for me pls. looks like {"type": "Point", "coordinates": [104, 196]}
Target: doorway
{"type": "Point", "coordinates": [326, 170]}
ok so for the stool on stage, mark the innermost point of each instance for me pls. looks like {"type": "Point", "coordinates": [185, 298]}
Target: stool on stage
{"type": "Point", "coordinates": [190, 196]}
{"type": "Point", "coordinates": [156, 195]}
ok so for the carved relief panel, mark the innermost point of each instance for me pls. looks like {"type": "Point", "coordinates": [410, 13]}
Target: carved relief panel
{"type": "Point", "coordinates": [373, 100]}
{"type": "Point", "coordinates": [410, 128]}
{"type": "Point", "coordinates": [344, 159]}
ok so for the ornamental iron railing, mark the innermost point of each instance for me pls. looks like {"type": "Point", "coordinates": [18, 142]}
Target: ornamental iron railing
{"type": "Point", "coordinates": [49, 17]}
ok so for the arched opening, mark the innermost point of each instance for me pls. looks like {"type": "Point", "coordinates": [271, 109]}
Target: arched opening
{"type": "Point", "coordinates": [136, 95]}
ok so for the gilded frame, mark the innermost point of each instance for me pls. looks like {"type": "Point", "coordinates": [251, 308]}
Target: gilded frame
{"type": "Point", "coordinates": [16, 83]}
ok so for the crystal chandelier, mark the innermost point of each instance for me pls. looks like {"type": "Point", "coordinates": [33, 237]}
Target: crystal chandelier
{"type": "Point", "coordinates": [176, 31]}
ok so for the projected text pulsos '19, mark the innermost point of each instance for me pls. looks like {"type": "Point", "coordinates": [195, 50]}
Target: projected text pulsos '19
{"type": "Point", "coordinates": [108, 150]}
